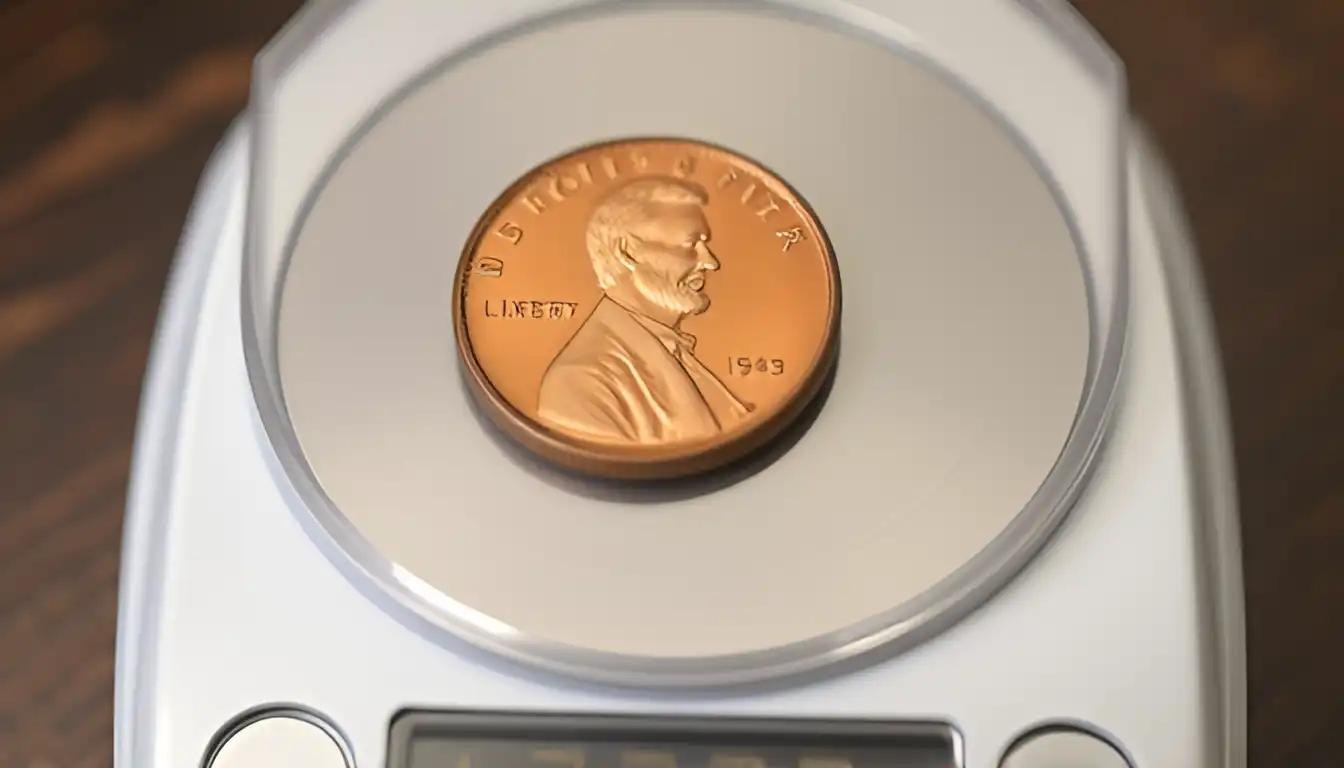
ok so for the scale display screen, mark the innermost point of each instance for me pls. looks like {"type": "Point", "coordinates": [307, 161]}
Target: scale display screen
{"type": "Point", "coordinates": [456, 740]}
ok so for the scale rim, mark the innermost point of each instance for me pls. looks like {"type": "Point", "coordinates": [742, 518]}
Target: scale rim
{"type": "Point", "coordinates": [889, 633]}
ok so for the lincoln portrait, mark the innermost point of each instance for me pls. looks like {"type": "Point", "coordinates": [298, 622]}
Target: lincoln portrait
{"type": "Point", "coordinates": [630, 374]}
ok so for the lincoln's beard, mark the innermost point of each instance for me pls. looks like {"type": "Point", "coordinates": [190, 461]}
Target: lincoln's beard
{"type": "Point", "coordinates": [674, 296]}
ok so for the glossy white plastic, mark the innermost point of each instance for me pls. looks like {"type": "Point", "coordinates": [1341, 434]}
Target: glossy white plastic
{"type": "Point", "coordinates": [1129, 622]}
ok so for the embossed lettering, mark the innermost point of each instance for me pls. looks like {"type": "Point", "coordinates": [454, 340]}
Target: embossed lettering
{"type": "Point", "coordinates": [791, 237]}
{"type": "Point", "coordinates": [771, 206]}
{"type": "Point", "coordinates": [534, 204]}
{"type": "Point", "coordinates": [585, 172]}
{"type": "Point", "coordinates": [685, 167]}
{"type": "Point", "coordinates": [511, 232]}
{"type": "Point", "coordinates": [488, 267]}
{"type": "Point", "coordinates": [745, 366]}
{"type": "Point", "coordinates": [531, 310]}
{"type": "Point", "coordinates": [561, 187]}
{"type": "Point", "coordinates": [557, 187]}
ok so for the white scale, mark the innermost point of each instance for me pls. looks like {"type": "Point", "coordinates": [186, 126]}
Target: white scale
{"type": "Point", "coordinates": [1009, 538]}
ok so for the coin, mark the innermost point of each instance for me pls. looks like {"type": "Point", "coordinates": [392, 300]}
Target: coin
{"type": "Point", "coordinates": [646, 308]}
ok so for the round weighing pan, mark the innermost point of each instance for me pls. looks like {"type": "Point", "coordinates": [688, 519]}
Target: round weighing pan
{"type": "Point", "coordinates": [940, 457]}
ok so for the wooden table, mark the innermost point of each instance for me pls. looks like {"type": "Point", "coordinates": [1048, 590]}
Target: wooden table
{"type": "Point", "coordinates": [109, 109]}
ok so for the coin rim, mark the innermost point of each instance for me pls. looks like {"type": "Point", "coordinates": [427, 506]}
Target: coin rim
{"type": "Point", "coordinates": [643, 462]}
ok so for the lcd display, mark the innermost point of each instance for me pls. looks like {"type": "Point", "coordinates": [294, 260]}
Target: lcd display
{"type": "Point", "coordinates": [455, 740]}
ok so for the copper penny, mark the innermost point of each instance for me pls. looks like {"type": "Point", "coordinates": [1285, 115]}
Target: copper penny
{"type": "Point", "coordinates": [647, 309]}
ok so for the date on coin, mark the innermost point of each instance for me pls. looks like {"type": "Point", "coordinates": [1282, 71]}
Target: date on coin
{"type": "Point", "coordinates": [604, 301]}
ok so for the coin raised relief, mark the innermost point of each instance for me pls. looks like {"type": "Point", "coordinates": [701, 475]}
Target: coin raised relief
{"type": "Point", "coordinates": [647, 308]}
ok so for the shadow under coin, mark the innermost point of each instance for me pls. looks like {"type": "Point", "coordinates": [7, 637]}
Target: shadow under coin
{"type": "Point", "coordinates": [662, 491]}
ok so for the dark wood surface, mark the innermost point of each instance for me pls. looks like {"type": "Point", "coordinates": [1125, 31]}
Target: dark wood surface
{"type": "Point", "coordinates": [110, 108]}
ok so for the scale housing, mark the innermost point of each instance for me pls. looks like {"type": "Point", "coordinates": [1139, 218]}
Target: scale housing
{"type": "Point", "coordinates": [1116, 616]}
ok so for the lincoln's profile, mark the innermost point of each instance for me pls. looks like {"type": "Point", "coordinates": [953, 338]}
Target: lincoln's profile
{"type": "Point", "coordinates": [630, 374]}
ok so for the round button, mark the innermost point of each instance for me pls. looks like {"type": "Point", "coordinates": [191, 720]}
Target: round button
{"type": "Point", "coordinates": [1064, 748]}
{"type": "Point", "coordinates": [279, 741]}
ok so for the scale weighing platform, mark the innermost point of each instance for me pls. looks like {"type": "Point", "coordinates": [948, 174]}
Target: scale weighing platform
{"type": "Point", "coordinates": [1004, 536]}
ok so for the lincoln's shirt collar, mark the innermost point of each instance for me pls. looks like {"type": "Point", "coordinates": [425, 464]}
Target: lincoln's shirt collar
{"type": "Point", "coordinates": [670, 337]}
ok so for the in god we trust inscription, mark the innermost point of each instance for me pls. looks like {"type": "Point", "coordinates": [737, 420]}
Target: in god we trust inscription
{"type": "Point", "coordinates": [647, 308]}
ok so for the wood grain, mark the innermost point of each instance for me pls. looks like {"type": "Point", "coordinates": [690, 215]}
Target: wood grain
{"type": "Point", "coordinates": [110, 108]}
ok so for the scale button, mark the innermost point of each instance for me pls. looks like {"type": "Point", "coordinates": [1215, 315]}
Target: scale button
{"type": "Point", "coordinates": [280, 741]}
{"type": "Point", "coordinates": [1064, 748]}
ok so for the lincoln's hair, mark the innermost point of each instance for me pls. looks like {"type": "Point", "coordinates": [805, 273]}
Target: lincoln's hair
{"type": "Point", "coordinates": [627, 205]}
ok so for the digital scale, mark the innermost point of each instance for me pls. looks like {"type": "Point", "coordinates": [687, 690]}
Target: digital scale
{"type": "Point", "coordinates": [1006, 537]}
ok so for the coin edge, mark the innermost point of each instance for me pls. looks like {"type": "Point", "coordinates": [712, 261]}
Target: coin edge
{"type": "Point", "coordinates": [659, 463]}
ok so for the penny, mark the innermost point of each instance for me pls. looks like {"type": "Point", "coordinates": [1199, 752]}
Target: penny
{"type": "Point", "coordinates": [646, 309]}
